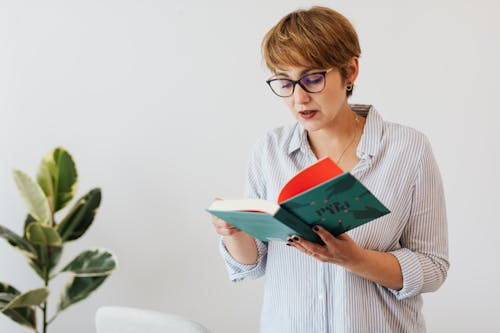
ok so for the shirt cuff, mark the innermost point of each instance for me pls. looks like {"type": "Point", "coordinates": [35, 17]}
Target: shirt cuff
{"type": "Point", "coordinates": [413, 277]}
{"type": "Point", "coordinates": [237, 271]}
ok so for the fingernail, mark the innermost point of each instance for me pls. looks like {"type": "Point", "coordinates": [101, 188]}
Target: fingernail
{"type": "Point", "coordinates": [295, 238]}
{"type": "Point", "coordinates": [287, 244]}
{"type": "Point", "coordinates": [290, 239]}
{"type": "Point", "coordinates": [316, 228]}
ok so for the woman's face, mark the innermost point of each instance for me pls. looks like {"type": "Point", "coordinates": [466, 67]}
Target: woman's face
{"type": "Point", "coordinates": [316, 111]}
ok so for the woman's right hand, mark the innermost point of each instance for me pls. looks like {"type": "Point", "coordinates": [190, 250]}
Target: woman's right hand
{"type": "Point", "coordinates": [223, 228]}
{"type": "Point", "coordinates": [240, 245]}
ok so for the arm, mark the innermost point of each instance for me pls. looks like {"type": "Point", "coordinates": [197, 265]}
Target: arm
{"type": "Point", "coordinates": [240, 245]}
{"type": "Point", "coordinates": [423, 255]}
{"type": "Point", "coordinates": [244, 256]}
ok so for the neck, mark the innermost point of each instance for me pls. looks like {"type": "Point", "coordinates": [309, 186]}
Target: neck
{"type": "Point", "coordinates": [338, 139]}
{"type": "Point", "coordinates": [339, 130]}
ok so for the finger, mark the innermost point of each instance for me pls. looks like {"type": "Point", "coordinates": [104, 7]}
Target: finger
{"type": "Point", "coordinates": [297, 246]}
{"type": "Point", "coordinates": [223, 228]}
{"type": "Point", "coordinates": [226, 232]}
{"type": "Point", "coordinates": [316, 255]}
{"type": "Point", "coordinates": [325, 235]}
{"type": "Point", "coordinates": [292, 242]}
{"type": "Point", "coordinates": [220, 223]}
{"type": "Point", "coordinates": [321, 257]}
{"type": "Point", "coordinates": [308, 247]}
{"type": "Point", "coordinates": [318, 252]}
{"type": "Point", "coordinates": [344, 237]}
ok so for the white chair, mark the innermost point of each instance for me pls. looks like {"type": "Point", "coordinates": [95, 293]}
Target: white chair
{"type": "Point", "coordinates": [116, 319]}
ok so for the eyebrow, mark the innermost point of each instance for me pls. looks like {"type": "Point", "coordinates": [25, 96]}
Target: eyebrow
{"type": "Point", "coordinates": [304, 72]}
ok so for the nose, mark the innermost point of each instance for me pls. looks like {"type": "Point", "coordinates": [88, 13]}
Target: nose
{"type": "Point", "coordinates": [300, 96]}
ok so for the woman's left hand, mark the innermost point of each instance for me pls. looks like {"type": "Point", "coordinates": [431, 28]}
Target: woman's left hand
{"type": "Point", "coordinates": [340, 250]}
{"type": "Point", "coordinates": [380, 267]}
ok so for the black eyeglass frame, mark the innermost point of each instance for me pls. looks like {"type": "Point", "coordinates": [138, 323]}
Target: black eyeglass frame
{"type": "Point", "coordinates": [295, 82]}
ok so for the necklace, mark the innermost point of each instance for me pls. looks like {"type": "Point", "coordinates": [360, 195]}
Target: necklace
{"type": "Point", "coordinates": [352, 140]}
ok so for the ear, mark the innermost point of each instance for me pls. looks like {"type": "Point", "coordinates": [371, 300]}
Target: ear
{"type": "Point", "coordinates": [353, 70]}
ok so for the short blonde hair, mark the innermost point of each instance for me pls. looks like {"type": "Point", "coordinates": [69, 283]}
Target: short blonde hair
{"type": "Point", "coordinates": [318, 37]}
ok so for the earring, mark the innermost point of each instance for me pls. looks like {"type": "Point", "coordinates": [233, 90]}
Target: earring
{"type": "Point", "coordinates": [349, 87]}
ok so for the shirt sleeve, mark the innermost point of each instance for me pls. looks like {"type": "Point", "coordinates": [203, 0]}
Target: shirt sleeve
{"type": "Point", "coordinates": [238, 272]}
{"type": "Point", "coordinates": [254, 188]}
{"type": "Point", "coordinates": [423, 256]}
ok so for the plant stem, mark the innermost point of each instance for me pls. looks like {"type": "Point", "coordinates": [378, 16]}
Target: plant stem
{"type": "Point", "coordinates": [45, 317]}
{"type": "Point", "coordinates": [45, 313]}
{"type": "Point", "coordinates": [46, 280]}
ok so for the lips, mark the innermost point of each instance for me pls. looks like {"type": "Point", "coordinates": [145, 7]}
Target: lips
{"type": "Point", "coordinates": [307, 114]}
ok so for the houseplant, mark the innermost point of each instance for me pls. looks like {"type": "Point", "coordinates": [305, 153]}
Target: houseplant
{"type": "Point", "coordinates": [44, 238]}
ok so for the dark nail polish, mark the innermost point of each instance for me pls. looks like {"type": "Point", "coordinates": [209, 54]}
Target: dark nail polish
{"type": "Point", "coordinates": [295, 238]}
{"type": "Point", "coordinates": [315, 228]}
{"type": "Point", "coordinates": [288, 244]}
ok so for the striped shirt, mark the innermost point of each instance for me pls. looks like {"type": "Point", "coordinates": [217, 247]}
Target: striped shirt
{"type": "Point", "coordinates": [305, 295]}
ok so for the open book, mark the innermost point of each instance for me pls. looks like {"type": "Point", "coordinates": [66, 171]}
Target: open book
{"type": "Point", "coordinates": [321, 194]}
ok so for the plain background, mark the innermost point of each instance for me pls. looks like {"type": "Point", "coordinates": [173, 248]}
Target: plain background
{"type": "Point", "coordinates": [159, 102]}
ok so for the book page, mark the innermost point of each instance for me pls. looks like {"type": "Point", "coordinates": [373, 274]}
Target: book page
{"type": "Point", "coordinates": [244, 205]}
{"type": "Point", "coordinates": [311, 176]}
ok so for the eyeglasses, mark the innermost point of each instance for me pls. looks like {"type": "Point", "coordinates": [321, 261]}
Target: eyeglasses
{"type": "Point", "coordinates": [312, 83]}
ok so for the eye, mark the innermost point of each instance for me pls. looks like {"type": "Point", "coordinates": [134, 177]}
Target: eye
{"type": "Point", "coordinates": [284, 84]}
{"type": "Point", "coordinates": [312, 79]}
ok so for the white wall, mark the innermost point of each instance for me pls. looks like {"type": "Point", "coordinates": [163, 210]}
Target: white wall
{"type": "Point", "coordinates": [160, 101]}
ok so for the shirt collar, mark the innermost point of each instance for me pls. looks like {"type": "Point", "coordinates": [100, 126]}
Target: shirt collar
{"type": "Point", "coordinates": [370, 140]}
{"type": "Point", "coordinates": [298, 139]}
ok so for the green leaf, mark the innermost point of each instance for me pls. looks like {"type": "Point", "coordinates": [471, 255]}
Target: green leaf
{"type": "Point", "coordinates": [32, 297]}
{"type": "Point", "coordinates": [17, 241]}
{"type": "Point", "coordinates": [96, 262]}
{"type": "Point", "coordinates": [45, 181]}
{"type": "Point", "coordinates": [33, 197]}
{"type": "Point", "coordinates": [44, 254]}
{"type": "Point", "coordinates": [5, 298]}
{"type": "Point", "coordinates": [79, 219]}
{"type": "Point", "coordinates": [29, 220]}
{"type": "Point", "coordinates": [78, 289]}
{"type": "Point", "coordinates": [25, 316]}
{"type": "Point", "coordinates": [58, 178]}
{"type": "Point", "coordinates": [41, 234]}
{"type": "Point", "coordinates": [51, 256]}
{"type": "Point", "coordinates": [7, 294]}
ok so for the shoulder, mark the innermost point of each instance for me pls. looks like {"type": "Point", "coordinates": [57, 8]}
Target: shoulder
{"type": "Point", "coordinates": [405, 144]}
{"type": "Point", "coordinates": [390, 139]}
{"type": "Point", "coordinates": [403, 135]}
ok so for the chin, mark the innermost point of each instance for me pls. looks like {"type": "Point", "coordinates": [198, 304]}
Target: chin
{"type": "Point", "coordinates": [311, 127]}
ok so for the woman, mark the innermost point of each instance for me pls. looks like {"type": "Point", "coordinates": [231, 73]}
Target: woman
{"type": "Point", "coordinates": [371, 278]}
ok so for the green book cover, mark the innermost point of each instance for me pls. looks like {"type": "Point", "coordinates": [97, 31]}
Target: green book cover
{"type": "Point", "coordinates": [320, 194]}
{"type": "Point", "coordinates": [339, 205]}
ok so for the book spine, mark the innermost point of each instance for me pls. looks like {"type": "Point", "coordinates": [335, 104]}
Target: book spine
{"type": "Point", "coordinates": [303, 229]}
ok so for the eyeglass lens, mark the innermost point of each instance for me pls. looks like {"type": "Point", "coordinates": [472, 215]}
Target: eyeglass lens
{"type": "Point", "coordinates": [311, 83]}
